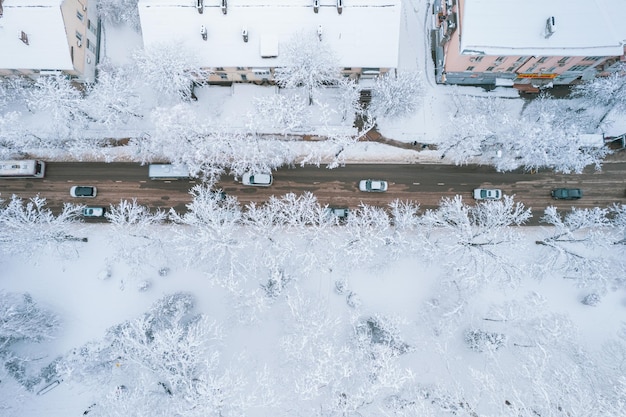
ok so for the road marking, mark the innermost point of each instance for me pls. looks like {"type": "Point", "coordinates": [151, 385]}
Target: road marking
{"type": "Point", "coordinates": [118, 181]}
{"type": "Point", "coordinates": [441, 183]}
{"type": "Point", "coordinates": [416, 183]}
{"type": "Point", "coordinates": [315, 182]}
{"type": "Point", "coordinates": [144, 181]}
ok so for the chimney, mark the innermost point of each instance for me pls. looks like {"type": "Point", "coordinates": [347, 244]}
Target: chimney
{"type": "Point", "coordinates": [319, 32]}
{"type": "Point", "coordinates": [316, 6]}
{"type": "Point", "coordinates": [244, 33]}
{"type": "Point", "coordinates": [339, 6]}
{"type": "Point", "coordinates": [1, 10]}
{"type": "Point", "coordinates": [224, 6]}
{"type": "Point", "coordinates": [200, 6]}
{"type": "Point", "coordinates": [24, 37]}
{"type": "Point", "coordinates": [550, 26]}
{"type": "Point", "coordinates": [203, 32]}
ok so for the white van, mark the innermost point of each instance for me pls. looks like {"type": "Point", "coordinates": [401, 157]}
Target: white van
{"type": "Point", "coordinates": [257, 179]}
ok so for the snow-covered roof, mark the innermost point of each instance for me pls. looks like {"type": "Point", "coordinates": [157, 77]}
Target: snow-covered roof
{"type": "Point", "coordinates": [365, 34]}
{"type": "Point", "coordinates": [42, 22]}
{"type": "Point", "coordinates": [508, 27]}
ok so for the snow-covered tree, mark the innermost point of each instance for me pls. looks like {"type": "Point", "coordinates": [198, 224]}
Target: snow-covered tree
{"type": "Point", "coordinates": [367, 233]}
{"type": "Point", "coordinates": [581, 245]}
{"type": "Point", "coordinates": [607, 93]}
{"type": "Point", "coordinates": [170, 69]}
{"type": "Point", "coordinates": [395, 95]}
{"type": "Point", "coordinates": [119, 11]}
{"type": "Point", "coordinates": [549, 134]}
{"type": "Point", "coordinates": [309, 63]}
{"type": "Point", "coordinates": [133, 234]}
{"type": "Point", "coordinates": [113, 100]}
{"type": "Point", "coordinates": [57, 105]}
{"type": "Point", "coordinates": [28, 228]}
{"type": "Point", "coordinates": [21, 319]}
{"type": "Point", "coordinates": [207, 236]}
{"type": "Point", "coordinates": [477, 239]}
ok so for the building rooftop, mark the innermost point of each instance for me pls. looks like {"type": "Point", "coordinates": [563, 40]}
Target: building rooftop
{"type": "Point", "coordinates": [42, 23]}
{"type": "Point", "coordinates": [365, 34]}
{"type": "Point", "coordinates": [508, 27]}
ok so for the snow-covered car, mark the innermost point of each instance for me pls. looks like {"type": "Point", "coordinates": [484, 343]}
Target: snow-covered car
{"type": "Point", "coordinates": [567, 193]}
{"type": "Point", "coordinates": [258, 179]}
{"type": "Point", "coordinates": [340, 213]}
{"type": "Point", "coordinates": [487, 194]}
{"type": "Point", "coordinates": [93, 212]}
{"type": "Point", "coordinates": [83, 191]}
{"type": "Point", "coordinates": [376, 186]}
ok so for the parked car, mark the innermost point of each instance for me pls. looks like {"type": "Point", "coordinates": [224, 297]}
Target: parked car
{"type": "Point", "coordinates": [567, 193]}
{"type": "Point", "coordinates": [93, 212]}
{"type": "Point", "coordinates": [258, 179]}
{"type": "Point", "coordinates": [377, 186]}
{"type": "Point", "coordinates": [83, 191]}
{"type": "Point", "coordinates": [340, 213]}
{"type": "Point", "coordinates": [487, 194]}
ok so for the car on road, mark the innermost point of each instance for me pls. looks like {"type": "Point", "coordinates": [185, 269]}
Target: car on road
{"type": "Point", "coordinates": [341, 213]}
{"type": "Point", "coordinates": [375, 186]}
{"type": "Point", "coordinates": [257, 179]}
{"type": "Point", "coordinates": [93, 212]}
{"type": "Point", "coordinates": [487, 194]}
{"type": "Point", "coordinates": [567, 193]}
{"type": "Point", "coordinates": [83, 191]}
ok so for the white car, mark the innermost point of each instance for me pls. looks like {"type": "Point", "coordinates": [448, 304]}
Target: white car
{"type": "Point", "coordinates": [377, 186]}
{"type": "Point", "coordinates": [93, 212]}
{"type": "Point", "coordinates": [83, 191]}
{"type": "Point", "coordinates": [258, 179]}
{"type": "Point", "coordinates": [487, 194]}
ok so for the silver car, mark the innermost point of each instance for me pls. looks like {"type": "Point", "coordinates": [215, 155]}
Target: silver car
{"type": "Point", "coordinates": [373, 186]}
{"type": "Point", "coordinates": [487, 194]}
{"type": "Point", "coordinates": [257, 179]}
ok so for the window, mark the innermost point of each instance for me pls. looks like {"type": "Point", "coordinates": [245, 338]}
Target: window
{"type": "Point", "coordinates": [240, 69]}
{"type": "Point", "coordinates": [510, 69]}
{"type": "Point", "coordinates": [551, 70]}
{"type": "Point", "coordinates": [91, 46]}
{"type": "Point", "coordinates": [79, 15]}
{"type": "Point", "coordinates": [219, 69]}
{"type": "Point", "coordinates": [223, 76]}
{"type": "Point", "coordinates": [476, 58]}
{"type": "Point", "coordinates": [563, 60]}
{"type": "Point", "coordinates": [489, 69]}
{"type": "Point", "coordinates": [542, 59]}
{"type": "Point", "coordinates": [579, 67]}
{"type": "Point", "coordinates": [592, 58]}
{"type": "Point", "coordinates": [521, 59]}
{"type": "Point", "coordinates": [470, 69]}
{"type": "Point", "coordinates": [92, 27]}
{"type": "Point", "coordinates": [79, 36]}
{"type": "Point", "coordinates": [500, 59]}
{"type": "Point", "coordinates": [244, 77]}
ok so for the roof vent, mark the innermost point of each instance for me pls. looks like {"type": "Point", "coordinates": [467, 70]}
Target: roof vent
{"type": "Point", "coordinates": [319, 32]}
{"type": "Point", "coordinates": [244, 34]}
{"type": "Point", "coordinates": [316, 6]}
{"type": "Point", "coordinates": [224, 6]}
{"type": "Point", "coordinates": [203, 32]}
{"type": "Point", "coordinates": [550, 26]}
{"type": "Point", "coordinates": [339, 6]}
{"type": "Point", "coordinates": [24, 37]}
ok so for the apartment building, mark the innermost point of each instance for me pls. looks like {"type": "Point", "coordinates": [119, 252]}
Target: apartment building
{"type": "Point", "coordinates": [240, 40]}
{"type": "Point", "coordinates": [528, 45]}
{"type": "Point", "coordinates": [39, 37]}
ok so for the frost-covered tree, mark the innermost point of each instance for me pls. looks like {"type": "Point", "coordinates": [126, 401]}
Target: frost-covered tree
{"type": "Point", "coordinates": [477, 239]}
{"type": "Point", "coordinates": [58, 107]}
{"type": "Point", "coordinates": [207, 148]}
{"type": "Point", "coordinates": [367, 234]}
{"type": "Point", "coordinates": [21, 319]}
{"type": "Point", "coordinates": [581, 245]}
{"type": "Point", "coordinates": [395, 95]}
{"type": "Point", "coordinates": [133, 235]}
{"type": "Point", "coordinates": [170, 69]}
{"type": "Point", "coordinates": [28, 228]}
{"type": "Point", "coordinates": [119, 11]}
{"type": "Point", "coordinates": [207, 236]}
{"type": "Point", "coordinates": [113, 100]}
{"type": "Point", "coordinates": [607, 93]}
{"type": "Point", "coordinates": [548, 134]}
{"type": "Point", "coordinates": [309, 63]}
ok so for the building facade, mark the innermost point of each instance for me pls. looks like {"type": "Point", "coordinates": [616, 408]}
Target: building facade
{"type": "Point", "coordinates": [39, 37]}
{"type": "Point", "coordinates": [241, 40]}
{"type": "Point", "coordinates": [529, 45]}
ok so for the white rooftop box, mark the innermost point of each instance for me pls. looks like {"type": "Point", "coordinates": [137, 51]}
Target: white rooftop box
{"type": "Point", "coordinates": [269, 46]}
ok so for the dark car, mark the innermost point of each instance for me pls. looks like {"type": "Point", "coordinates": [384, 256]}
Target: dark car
{"type": "Point", "coordinates": [567, 193]}
{"type": "Point", "coordinates": [83, 191]}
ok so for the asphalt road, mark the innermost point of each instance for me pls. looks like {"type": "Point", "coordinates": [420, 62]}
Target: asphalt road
{"type": "Point", "coordinates": [425, 184]}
